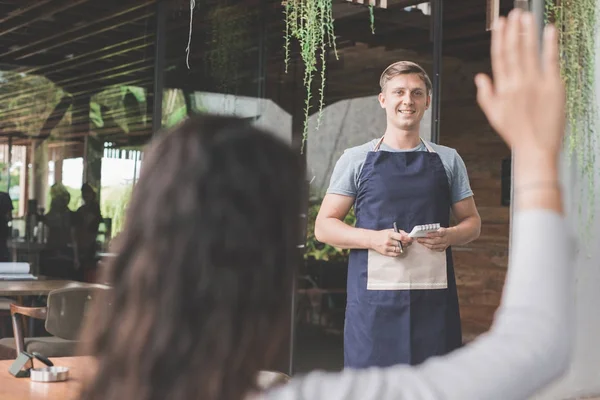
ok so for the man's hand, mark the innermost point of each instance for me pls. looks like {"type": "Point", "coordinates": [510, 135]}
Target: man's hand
{"type": "Point", "coordinates": [439, 240]}
{"type": "Point", "coordinates": [386, 242]}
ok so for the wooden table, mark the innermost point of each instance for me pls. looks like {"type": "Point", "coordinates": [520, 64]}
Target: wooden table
{"type": "Point", "coordinates": [40, 287]}
{"type": "Point", "coordinates": [12, 388]}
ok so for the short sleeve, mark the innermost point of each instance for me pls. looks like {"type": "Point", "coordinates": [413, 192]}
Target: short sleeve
{"type": "Point", "coordinates": [344, 178]}
{"type": "Point", "coordinates": [460, 187]}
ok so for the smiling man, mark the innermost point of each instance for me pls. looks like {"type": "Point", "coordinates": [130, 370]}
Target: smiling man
{"type": "Point", "coordinates": [402, 301]}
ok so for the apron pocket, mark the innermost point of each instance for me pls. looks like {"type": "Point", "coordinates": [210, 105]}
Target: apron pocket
{"type": "Point", "coordinates": [417, 268]}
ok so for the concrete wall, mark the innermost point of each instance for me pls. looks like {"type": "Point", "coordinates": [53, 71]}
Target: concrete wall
{"type": "Point", "coordinates": [271, 117]}
{"type": "Point", "coordinates": [345, 124]}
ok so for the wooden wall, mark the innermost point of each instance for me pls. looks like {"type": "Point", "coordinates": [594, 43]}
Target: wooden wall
{"type": "Point", "coordinates": [480, 266]}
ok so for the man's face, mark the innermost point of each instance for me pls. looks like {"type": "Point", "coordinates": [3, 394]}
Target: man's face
{"type": "Point", "coordinates": [405, 100]}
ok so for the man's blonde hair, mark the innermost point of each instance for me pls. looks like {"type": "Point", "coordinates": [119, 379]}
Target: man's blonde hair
{"type": "Point", "coordinates": [404, 68]}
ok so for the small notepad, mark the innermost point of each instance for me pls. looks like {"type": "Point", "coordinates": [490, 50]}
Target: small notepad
{"type": "Point", "coordinates": [422, 230]}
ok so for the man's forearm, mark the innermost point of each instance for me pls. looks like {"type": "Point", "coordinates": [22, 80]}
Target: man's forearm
{"type": "Point", "coordinates": [339, 234]}
{"type": "Point", "coordinates": [466, 231]}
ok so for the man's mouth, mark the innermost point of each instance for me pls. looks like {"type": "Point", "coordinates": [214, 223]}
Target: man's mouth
{"type": "Point", "coordinates": [407, 111]}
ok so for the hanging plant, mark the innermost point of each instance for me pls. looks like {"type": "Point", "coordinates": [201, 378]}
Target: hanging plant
{"type": "Point", "coordinates": [228, 39]}
{"type": "Point", "coordinates": [372, 18]}
{"type": "Point", "coordinates": [310, 22]}
{"type": "Point", "coordinates": [576, 21]}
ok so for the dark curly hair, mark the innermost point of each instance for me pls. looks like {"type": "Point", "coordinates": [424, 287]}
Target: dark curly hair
{"type": "Point", "coordinates": [202, 279]}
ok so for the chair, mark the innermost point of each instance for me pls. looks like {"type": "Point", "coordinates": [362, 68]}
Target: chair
{"type": "Point", "coordinates": [63, 315]}
{"type": "Point", "coordinates": [4, 314]}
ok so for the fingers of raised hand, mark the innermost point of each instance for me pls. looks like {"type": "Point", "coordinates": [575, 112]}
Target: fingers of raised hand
{"type": "Point", "coordinates": [530, 48]}
{"type": "Point", "coordinates": [512, 50]}
{"type": "Point", "coordinates": [499, 68]}
{"type": "Point", "coordinates": [550, 55]}
{"type": "Point", "coordinates": [515, 51]}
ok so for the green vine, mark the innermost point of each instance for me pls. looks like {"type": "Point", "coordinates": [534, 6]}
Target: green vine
{"type": "Point", "coordinates": [372, 18]}
{"type": "Point", "coordinates": [576, 21]}
{"type": "Point", "coordinates": [228, 38]}
{"type": "Point", "coordinates": [310, 22]}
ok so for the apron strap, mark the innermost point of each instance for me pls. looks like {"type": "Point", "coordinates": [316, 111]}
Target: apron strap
{"type": "Point", "coordinates": [427, 145]}
{"type": "Point", "coordinates": [378, 144]}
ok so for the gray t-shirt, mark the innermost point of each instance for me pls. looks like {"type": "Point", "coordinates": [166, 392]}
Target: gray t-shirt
{"type": "Point", "coordinates": [345, 176]}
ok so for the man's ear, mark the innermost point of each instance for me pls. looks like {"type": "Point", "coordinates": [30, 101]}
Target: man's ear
{"type": "Point", "coordinates": [381, 99]}
{"type": "Point", "coordinates": [428, 102]}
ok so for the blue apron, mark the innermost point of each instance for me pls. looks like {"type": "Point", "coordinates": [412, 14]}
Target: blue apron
{"type": "Point", "coordinates": [406, 312]}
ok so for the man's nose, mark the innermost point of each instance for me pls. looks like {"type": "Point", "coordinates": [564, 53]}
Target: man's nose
{"type": "Point", "coordinates": [408, 99]}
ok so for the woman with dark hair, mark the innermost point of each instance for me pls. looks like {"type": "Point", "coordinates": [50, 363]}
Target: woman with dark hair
{"type": "Point", "coordinates": [205, 264]}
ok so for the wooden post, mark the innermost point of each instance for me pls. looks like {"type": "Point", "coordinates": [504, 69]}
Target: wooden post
{"type": "Point", "coordinates": [522, 4]}
{"type": "Point", "coordinates": [492, 14]}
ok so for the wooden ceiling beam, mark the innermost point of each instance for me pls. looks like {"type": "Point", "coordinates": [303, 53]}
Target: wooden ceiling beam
{"type": "Point", "coordinates": [36, 13]}
{"type": "Point", "coordinates": [102, 24]}
{"type": "Point", "coordinates": [344, 9]}
{"type": "Point", "coordinates": [22, 10]}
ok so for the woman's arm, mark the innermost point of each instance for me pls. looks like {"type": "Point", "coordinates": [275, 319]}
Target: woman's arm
{"type": "Point", "coordinates": [527, 347]}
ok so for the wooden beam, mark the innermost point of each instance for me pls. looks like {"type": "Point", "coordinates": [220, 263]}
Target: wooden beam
{"type": "Point", "coordinates": [20, 11]}
{"type": "Point", "coordinates": [102, 24]}
{"type": "Point", "coordinates": [38, 14]}
{"type": "Point", "coordinates": [374, 3]}
{"type": "Point", "coordinates": [348, 8]}
{"type": "Point", "coordinates": [522, 4]}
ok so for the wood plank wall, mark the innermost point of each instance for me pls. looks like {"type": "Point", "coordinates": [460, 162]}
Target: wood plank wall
{"type": "Point", "coordinates": [480, 266]}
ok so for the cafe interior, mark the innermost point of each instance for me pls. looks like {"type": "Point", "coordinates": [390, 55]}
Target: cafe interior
{"type": "Point", "coordinates": [85, 85]}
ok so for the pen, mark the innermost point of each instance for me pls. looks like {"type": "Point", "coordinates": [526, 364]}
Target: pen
{"type": "Point", "coordinates": [399, 242]}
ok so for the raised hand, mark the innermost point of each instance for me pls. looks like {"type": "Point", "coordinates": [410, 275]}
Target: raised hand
{"type": "Point", "coordinates": [525, 102]}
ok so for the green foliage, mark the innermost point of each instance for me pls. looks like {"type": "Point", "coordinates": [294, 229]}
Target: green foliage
{"type": "Point", "coordinates": [321, 251]}
{"type": "Point", "coordinates": [14, 177]}
{"type": "Point", "coordinates": [174, 107]}
{"type": "Point", "coordinates": [75, 198]}
{"type": "Point", "coordinates": [228, 39]}
{"type": "Point", "coordinates": [576, 21]}
{"type": "Point", "coordinates": [26, 101]}
{"type": "Point", "coordinates": [119, 106]}
{"type": "Point", "coordinates": [113, 205]}
{"type": "Point", "coordinates": [310, 22]}
{"type": "Point", "coordinates": [176, 116]}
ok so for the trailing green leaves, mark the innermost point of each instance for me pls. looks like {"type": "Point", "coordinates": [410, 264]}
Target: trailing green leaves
{"type": "Point", "coordinates": [576, 21]}
{"type": "Point", "coordinates": [310, 22]}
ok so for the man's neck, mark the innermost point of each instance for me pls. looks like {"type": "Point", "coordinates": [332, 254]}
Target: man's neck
{"type": "Point", "coordinates": [400, 139]}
